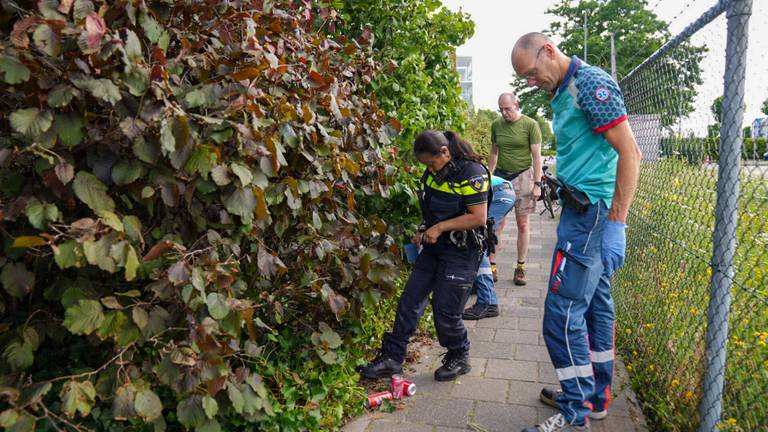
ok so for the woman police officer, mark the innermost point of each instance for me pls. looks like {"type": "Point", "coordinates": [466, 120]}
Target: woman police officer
{"type": "Point", "coordinates": [454, 210]}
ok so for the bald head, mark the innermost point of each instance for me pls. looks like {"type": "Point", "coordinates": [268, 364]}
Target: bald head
{"type": "Point", "coordinates": [537, 59]}
{"type": "Point", "coordinates": [507, 97]}
{"type": "Point", "coordinates": [531, 42]}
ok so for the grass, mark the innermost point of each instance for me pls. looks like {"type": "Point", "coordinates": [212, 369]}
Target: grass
{"type": "Point", "coordinates": [662, 296]}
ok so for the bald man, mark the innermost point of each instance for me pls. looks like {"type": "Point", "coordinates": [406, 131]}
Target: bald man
{"type": "Point", "coordinates": [516, 156]}
{"type": "Point", "coordinates": [598, 158]}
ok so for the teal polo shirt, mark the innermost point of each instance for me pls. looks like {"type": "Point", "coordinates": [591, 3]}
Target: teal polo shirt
{"type": "Point", "coordinates": [587, 103]}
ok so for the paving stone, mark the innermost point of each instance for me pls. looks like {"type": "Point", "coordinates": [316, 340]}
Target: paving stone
{"type": "Point", "coordinates": [517, 336]}
{"type": "Point", "coordinates": [386, 426]}
{"type": "Point", "coordinates": [524, 393]}
{"type": "Point", "coordinates": [499, 322]}
{"type": "Point", "coordinates": [491, 350]}
{"type": "Point", "coordinates": [545, 412]}
{"type": "Point", "coordinates": [358, 425]}
{"type": "Point", "coordinates": [479, 388]}
{"type": "Point", "coordinates": [532, 352]}
{"type": "Point", "coordinates": [525, 292]}
{"type": "Point", "coordinates": [503, 417]}
{"type": "Point", "coordinates": [478, 366]}
{"type": "Point", "coordinates": [512, 369]}
{"type": "Point", "coordinates": [481, 334]}
{"type": "Point", "coordinates": [547, 373]}
{"type": "Point", "coordinates": [439, 411]}
{"type": "Point", "coordinates": [523, 311]}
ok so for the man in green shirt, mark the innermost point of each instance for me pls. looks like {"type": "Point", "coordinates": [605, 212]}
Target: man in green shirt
{"type": "Point", "coordinates": [516, 156]}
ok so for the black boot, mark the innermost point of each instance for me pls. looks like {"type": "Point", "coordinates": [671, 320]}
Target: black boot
{"type": "Point", "coordinates": [454, 364]}
{"type": "Point", "coordinates": [479, 311]}
{"type": "Point", "coordinates": [381, 367]}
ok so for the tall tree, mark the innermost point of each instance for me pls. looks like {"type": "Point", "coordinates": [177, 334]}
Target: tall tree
{"type": "Point", "coordinates": [764, 107]}
{"type": "Point", "coordinates": [638, 33]}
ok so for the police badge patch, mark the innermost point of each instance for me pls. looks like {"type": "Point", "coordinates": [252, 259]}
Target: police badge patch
{"type": "Point", "coordinates": [477, 182]}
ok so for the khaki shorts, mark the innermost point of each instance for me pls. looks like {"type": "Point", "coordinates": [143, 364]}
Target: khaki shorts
{"type": "Point", "coordinates": [523, 185]}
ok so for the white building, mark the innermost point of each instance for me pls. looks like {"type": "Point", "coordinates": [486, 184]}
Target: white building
{"type": "Point", "coordinates": [464, 68]}
{"type": "Point", "coordinates": [760, 128]}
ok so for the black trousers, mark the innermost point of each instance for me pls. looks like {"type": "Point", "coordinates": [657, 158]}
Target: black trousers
{"type": "Point", "coordinates": [448, 273]}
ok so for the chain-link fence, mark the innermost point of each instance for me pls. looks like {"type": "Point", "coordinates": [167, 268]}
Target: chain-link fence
{"type": "Point", "coordinates": [698, 236]}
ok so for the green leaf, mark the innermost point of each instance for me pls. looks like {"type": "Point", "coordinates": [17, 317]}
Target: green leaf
{"type": "Point", "coordinates": [210, 425]}
{"type": "Point", "coordinates": [131, 264]}
{"type": "Point", "coordinates": [34, 393]}
{"type": "Point", "coordinates": [111, 220]}
{"type": "Point", "coordinates": [133, 228]}
{"type": "Point", "coordinates": [82, 9]}
{"type": "Point", "coordinates": [217, 305]}
{"type": "Point", "coordinates": [243, 173]}
{"type": "Point", "coordinates": [84, 317]}
{"type": "Point", "coordinates": [210, 406]}
{"type": "Point", "coordinates": [122, 404]}
{"type": "Point", "coordinates": [127, 172]}
{"type": "Point", "coordinates": [97, 253]}
{"type": "Point", "coordinates": [47, 40]}
{"type": "Point", "coordinates": [200, 161]}
{"type": "Point", "coordinates": [152, 30]}
{"type": "Point", "coordinates": [101, 88]}
{"type": "Point", "coordinates": [68, 254]}
{"type": "Point", "coordinates": [39, 214]}
{"type": "Point", "coordinates": [31, 121]}
{"type": "Point", "coordinates": [329, 337]}
{"type": "Point", "coordinates": [167, 140]}
{"type": "Point", "coordinates": [19, 355]}
{"type": "Point", "coordinates": [148, 405]}
{"type": "Point", "coordinates": [133, 47]}
{"type": "Point", "coordinates": [8, 418]}
{"type": "Point", "coordinates": [62, 95]}
{"type": "Point", "coordinates": [146, 151]}
{"type": "Point", "coordinates": [205, 95]}
{"type": "Point", "coordinates": [77, 396]}
{"type": "Point", "coordinates": [14, 72]}
{"type": "Point", "coordinates": [236, 397]}
{"type": "Point", "coordinates": [242, 202]}
{"type": "Point", "coordinates": [93, 192]}
{"type": "Point", "coordinates": [69, 128]}
{"type": "Point", "coordinates": [17, 280]}
{"type": "Point", "coordinates": [136, 79]}
{"type": "Point", "coordinates": [24, 422]}
{"type": "Point", "coordinates": [140, 317]}
{"type": "Point", "coordinates": [190, 412]}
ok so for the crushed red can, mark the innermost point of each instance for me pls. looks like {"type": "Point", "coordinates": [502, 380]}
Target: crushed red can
{"type": "Point", "coordinates": [402, 387]}
{"type": "Point", "coordinates": [376, 399]}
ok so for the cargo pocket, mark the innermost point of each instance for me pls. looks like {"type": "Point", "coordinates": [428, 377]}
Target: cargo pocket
{"type": "Point", "coordinates": [572, 276]}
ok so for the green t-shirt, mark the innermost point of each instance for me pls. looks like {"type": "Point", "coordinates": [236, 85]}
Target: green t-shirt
{"type": "Point", "coordinates": [514, 140]}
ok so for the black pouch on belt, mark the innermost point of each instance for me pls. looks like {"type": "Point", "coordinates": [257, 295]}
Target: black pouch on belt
{"type": "Point", "coordinates": [574, 198]}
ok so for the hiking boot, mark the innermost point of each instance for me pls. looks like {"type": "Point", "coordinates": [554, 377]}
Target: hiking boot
{"type": "Point", "coordinates": [520, 276]}
{"type": "Point", "coordinates": [381, 367]}
{"type": "Point", "coordinates": [549, 396]}
{"type": "Point", "coordinates": [479, 311]}
{"type": "Point", "coordinates": [557, 423]}
{"type": "Point", "coordinates": [494, 272]}
{"type": "Point", "coordinates": [454, 364]}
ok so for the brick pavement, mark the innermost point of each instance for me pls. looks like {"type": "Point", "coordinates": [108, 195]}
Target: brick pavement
{"type": "Point", "coordinates": [510, 363]}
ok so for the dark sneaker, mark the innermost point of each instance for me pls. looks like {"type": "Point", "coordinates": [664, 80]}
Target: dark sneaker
{"type": "Point", "coordinates": [381, 367]}
{"type": "Point", "coordinates": [480, 311]}
{"type": "Point", "coordinates": [557, 423]}
{"type": "Point", "coordinates": [549, 396]}
{"type": "Point", "coordinates": [454, 364]}
{"type": "Point", "coordinates": [494, 272]}
{"type": "Point", "coordinates": [520, 276]}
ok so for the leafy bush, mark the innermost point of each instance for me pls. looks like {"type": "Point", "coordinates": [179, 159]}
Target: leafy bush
{"type": "Point", "coordinates": [179, 187]}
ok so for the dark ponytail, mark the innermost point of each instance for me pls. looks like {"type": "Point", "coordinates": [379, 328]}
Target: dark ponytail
{"type": "Point", "coordinates": [430, 141]}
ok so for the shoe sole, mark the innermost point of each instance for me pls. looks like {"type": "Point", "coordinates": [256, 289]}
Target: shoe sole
{"type": "Point", "coordinates": [463, 371]}
{"type": "Point", "coordinates": [475, 317]}
{"type": "Point", "coordinates": [378, 376]}
{"type": "Point", "coordinates": [520, 283]}
{"type": "Point", "coordinates": [594, 415]}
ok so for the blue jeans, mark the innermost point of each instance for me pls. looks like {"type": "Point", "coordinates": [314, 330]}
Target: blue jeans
{"type": "Point", "coordinates": [486, 292]}
{"type": "Point", "coordinates": [579, 315]}
{"type": "Point", "coordinates": [503, 202]}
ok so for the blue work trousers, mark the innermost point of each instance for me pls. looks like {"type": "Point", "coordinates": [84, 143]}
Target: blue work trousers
{"type": "Point", "coordinates": [447, 272]}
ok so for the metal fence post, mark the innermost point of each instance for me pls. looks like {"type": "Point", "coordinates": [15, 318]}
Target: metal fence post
{"type": "Point", "coordinates": [710, 409]}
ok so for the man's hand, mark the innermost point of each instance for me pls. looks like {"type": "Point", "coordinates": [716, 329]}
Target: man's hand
{"type": "Point", "coordinates": [417, 238]}
{"type": "Point", "coordinates": [614, 246]}
{"type": "Point", "coordinates": [432, 234]}
{"type": "Point", "coordinates": [536, 192]}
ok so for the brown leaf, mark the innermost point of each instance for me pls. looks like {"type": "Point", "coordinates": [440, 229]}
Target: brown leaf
{"type": "Point", "coordinates": [317, 78]}
{"type": "Point", "coordinates": [262, 212]}
{"type": "Point", "coordinates": [246, 73]}
{"type": "Point", "coordinates": [266, 262]}
{"type": "Point", "coordinates": [65, 172]}
{"type": "Point", "coordinates": [338, 303]}
{"type": "Point", "coordinates": [95, 28]}
{"type": "Point", "coordinates": [65, 6]}
{"type": "Point", "coordinates": [19, 33]}
{"type": "Point", "coordinates": [158, 250]}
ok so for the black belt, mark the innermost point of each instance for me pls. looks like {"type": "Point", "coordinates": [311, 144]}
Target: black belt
{"type": "Point", "coordinates": [508, 175]}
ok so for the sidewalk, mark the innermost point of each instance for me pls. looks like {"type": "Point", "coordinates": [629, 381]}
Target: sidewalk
{"type": "Point", "coordinates": [510, 363]}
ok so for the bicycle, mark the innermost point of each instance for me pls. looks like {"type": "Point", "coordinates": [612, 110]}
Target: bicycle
{"type": "Point", "coordinates": [549, 195]}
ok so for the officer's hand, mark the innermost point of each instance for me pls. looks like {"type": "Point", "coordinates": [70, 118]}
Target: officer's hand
{"type": "Point", "coordinates": [614, 246]}
{"type": "Point", "coordinates": [432, 234]}
{"type": "Point", "coordinates": [536, 192]}
{"type": "Point", "coordinates": [417, 238]}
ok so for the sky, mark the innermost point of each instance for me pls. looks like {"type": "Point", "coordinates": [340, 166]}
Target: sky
{"type": "Point", "coordinates": [499, 23]}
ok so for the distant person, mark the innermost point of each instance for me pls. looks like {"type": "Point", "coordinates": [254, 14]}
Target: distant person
{"type": "Point", "coordinates": [487, 304]}
{"type": "Point", "coordinates": [516, 156]}
{"type": "Point", "coordinates": [599, 160]}
{"type": "Point", "coordinates": [454, 207]}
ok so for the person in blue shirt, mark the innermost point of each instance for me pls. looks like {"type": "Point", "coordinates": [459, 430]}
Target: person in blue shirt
{"type": "Point", "coordinates": [598, 160]}
{"type": "Point", "coordinates": [487, 305]}
{"type": "Point", "coordinates": [454, 212]}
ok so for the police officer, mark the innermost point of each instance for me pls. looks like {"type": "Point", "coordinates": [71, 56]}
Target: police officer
{"type": "Point", "coordinates": [454, 210]}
